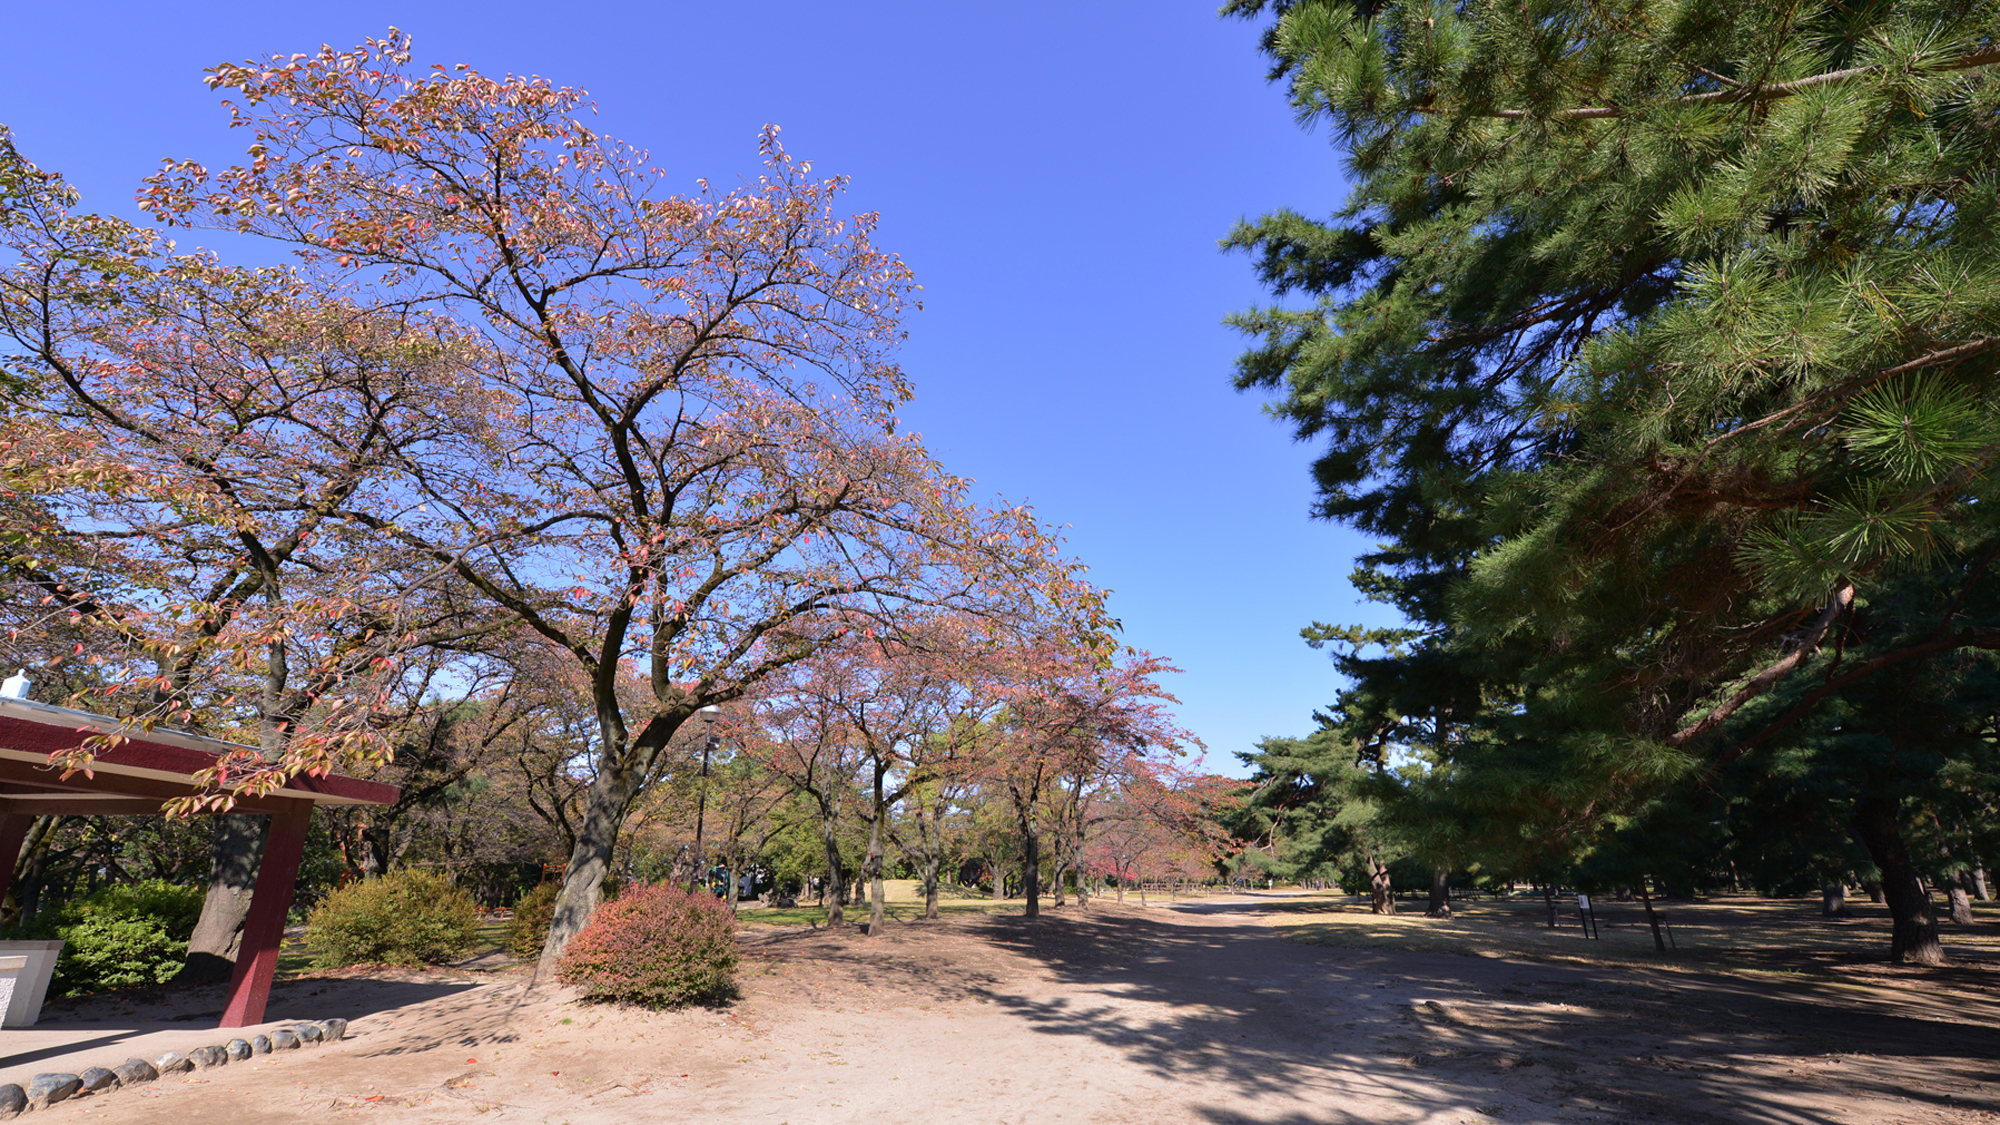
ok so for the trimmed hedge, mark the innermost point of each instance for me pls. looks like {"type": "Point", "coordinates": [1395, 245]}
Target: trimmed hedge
{"type": "Point", "coordinates": [658, 946]}
{"type": "Point", "coordinates": [409, 917]}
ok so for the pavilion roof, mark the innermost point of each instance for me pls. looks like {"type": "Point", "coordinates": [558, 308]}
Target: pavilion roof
{"type": "Point", "coordinates": [145, 769]}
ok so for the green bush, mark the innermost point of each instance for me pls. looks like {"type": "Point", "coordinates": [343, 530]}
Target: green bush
{"type": "Point", "coordinates": [105, 953]}
{"type": "Point", "coordinates": [413, 917]}
{"type": "Point", "coordinates": [657, 945]}
{"type": "Point", "coordinates": [122, 936]}
{"type": "Point", "coordinates": [530, 928]}
{"type": "Point", "coordinates": [175, 908]}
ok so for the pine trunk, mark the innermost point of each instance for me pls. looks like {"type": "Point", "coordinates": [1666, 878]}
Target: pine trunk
{"type": "Point", "coordinates": [1914, 938]}
{"type": "Point", "coordinates": [1652, 919]}
{"type": "Point", "coordinates": [1961, 905]}
{"type": "Point", "coordinates": [1382, 899]}
{"type": "Point", "coordinates": [1833, 899]}
{"type": "Point", "coordinates": [1440, 906]}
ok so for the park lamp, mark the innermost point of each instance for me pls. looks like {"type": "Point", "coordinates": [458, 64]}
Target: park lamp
{"type": "Point", "coordinates": [708, 745]}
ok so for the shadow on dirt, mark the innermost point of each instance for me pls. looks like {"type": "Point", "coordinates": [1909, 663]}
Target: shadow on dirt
{"type": "Point", "coordinates": [1203, 990]}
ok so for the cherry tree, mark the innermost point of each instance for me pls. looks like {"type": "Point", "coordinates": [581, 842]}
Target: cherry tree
{"type": "Point", "coordinates": [1072, 718]}
{"type": "Point", "coordinates": [676, 435]}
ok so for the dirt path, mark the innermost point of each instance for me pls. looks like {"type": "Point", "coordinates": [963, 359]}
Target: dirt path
{"type": "Point", "coordinates": [1190, 1015]}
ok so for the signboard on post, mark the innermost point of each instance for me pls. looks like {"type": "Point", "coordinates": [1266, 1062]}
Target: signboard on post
{"type": "Point", "coordinates": [1586, 916]}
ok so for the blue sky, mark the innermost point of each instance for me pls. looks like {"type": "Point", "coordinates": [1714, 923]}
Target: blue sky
{"type": "Point", "coordinates": [1056, 173]}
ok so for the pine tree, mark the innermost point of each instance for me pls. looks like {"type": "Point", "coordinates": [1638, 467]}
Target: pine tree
{"type": "Point", "coordinates": [1654, 341]}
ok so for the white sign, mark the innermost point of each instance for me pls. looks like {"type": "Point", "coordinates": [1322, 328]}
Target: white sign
{"type": "Point", "coordinates": [1583, 902]}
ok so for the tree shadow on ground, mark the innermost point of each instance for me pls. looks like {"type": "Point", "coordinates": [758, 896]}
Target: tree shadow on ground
{"type": "Point", "coordinates": [1206, 991]}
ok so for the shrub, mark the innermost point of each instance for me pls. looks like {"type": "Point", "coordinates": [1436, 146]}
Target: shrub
{"type": "Point", "coordinates": [123, 936]}
{"type": "Point", "coordinates": [175, 909]}
{"type": "Point", "coordinates": [658, 946]}
{"type": "Point", "coordinates": [411, 917]}
{"type": "Point", "coordinates": [105, 953]}
{"type": "Point", "coordinates": [530, 929]}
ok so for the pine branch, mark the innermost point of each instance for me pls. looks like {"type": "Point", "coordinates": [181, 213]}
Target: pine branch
{"type": "Point", "coordinates": [1762, 681]}
{"type": "Point", "coordinates": [1964, 638]}
{"type": "Point", "coordinates": [1757, 94]}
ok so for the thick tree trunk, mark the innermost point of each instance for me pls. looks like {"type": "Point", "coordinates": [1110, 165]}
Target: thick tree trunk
{"type": "Point", "coordinates": [999, 882]}
{"type": "Point", "coordinates": [1979, 884]}
{"type": "Point", "coordinates": [1381, 900]}
{"type": "Point", "coordinates": [1873, 889]}
{"type": "Point", "coordinates": [604, 807]}
{"type": "Point", "coordinates": [1082, 888]}
{"type": "Point", "coordinates": [1961, 905]}
{"type": "Point", "coordinates": [1440, 906]}
{"type": "Point", "coordinates": [232, 876]}
{"type": "Point", "coordinates": [1915, 935]}
{"type": "Point", "coordinates": [1833, 899]}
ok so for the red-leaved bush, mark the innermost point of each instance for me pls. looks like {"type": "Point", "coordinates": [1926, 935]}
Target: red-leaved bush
{"type": "Point", "coordinates": [657, 945]}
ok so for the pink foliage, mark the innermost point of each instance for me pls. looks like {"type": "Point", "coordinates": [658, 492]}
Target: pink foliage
{"type": "Point", "coordinates": [657, 945]}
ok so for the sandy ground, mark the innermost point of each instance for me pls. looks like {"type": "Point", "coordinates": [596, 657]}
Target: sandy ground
{"type": "Point", "coordinates": [1165, 1016]}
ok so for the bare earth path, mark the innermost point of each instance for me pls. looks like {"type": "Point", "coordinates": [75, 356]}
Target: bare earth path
{"type": "Point", "coordinates": [1195, 1014]}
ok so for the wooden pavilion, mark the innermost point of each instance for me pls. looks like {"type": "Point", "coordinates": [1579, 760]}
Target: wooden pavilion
{"type": "Point", "coordinates": [135, 778]}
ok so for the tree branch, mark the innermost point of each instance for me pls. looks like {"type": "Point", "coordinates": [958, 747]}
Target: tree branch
{"type": "Point", "coordinates": [1762, 681]}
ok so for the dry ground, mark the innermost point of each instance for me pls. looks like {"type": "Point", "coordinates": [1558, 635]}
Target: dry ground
{"type": "Point", "coordinates": [1200, 1013]}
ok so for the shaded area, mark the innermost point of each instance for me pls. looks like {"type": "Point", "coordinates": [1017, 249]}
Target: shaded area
{"type": "Point", "coordinates": [1204, 990]}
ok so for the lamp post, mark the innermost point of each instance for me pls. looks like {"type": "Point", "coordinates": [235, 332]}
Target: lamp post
{"type": "Point", "coordinates": [708, 746]}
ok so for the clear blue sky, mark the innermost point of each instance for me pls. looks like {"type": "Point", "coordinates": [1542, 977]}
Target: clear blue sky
{"type": "Point", "coordinates": [1056, 173]}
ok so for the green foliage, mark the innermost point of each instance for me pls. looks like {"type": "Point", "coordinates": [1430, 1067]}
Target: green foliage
{"type": "Point", "coordinates": [658, 946]}
{"type": "Point", "coordinates": [175, 909]}
{"type": "Point", "coordinates": [1649, 336]}
{"type": "Point", "coordinates": [529, 930]}
{"type": "Point", "coordinates": [126, 935]}
{"type": "Point", "coordinates": [409, 917]}
{"type": "Point", "coordinates": [105, 953]}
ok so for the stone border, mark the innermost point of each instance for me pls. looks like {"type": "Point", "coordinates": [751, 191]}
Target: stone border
{"type": "Point", "coordinates": [45, 1090]}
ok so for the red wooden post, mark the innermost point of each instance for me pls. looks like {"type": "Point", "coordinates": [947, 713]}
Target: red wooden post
{"type": "Point", "coordinates": [264, 929]}
{"type": "Point", "coordinates": [13, 830]}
